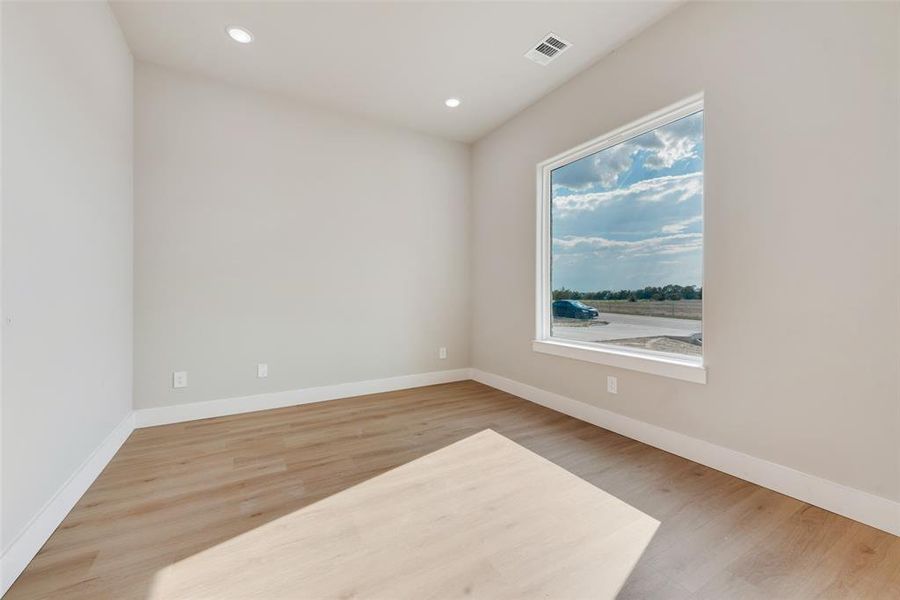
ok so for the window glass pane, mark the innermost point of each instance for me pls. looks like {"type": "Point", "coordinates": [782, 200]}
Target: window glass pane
{"type": "Point", "coordinates": [627, 242]}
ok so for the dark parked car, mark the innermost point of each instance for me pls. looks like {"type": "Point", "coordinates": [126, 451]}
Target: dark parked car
{"type": "Point", "coordinates": [574, 309]}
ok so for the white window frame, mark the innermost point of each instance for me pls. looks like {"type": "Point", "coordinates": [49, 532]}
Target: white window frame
{"type": "Point", "coordinates": [686, 368]}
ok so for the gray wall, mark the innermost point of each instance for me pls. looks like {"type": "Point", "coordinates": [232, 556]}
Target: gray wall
{"type": "Point", "coordinates": [66, 245]}
{"type": "Point", "coordinates": [331, 248]}
{"type": "Point", "coordinates": [801, 314]}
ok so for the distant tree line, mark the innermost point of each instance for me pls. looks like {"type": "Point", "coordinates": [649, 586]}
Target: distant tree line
{"type": "Point", "coordinates": [666, 292]}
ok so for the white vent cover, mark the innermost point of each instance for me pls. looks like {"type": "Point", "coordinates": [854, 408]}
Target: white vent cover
{"type": "Point", "coordinates": [547, 49]}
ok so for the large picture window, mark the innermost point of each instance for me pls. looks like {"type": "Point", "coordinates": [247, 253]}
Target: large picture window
{"type": "Point", "coordinates": [621, 247]}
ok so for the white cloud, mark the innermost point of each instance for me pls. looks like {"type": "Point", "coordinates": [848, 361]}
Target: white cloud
{"type": "Point", "coordinates": [680, 226]}
{"type": "Point", "coordinates": [676, 141]}
{"type": "Point", "coordinates": [677, 188]}
{"type": "Point", "coordinates": [596, 245]}
{"type": "Point", "coordinates": [664, 147]}
{"type": "Point", "coordinates": [604, 168]}
{"type": "Point", "coordinates": [612, 162]}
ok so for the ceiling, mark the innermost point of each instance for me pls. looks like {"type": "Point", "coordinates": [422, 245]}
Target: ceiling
{"type": "Point", "coordinates": [393, 61]}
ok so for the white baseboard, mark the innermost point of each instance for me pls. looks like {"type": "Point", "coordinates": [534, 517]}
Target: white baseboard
{"type": "Point", "coordinates": [850, 502]}
{"type": "Point", "coordinates": [178, 413]}
{"type": "Point", "coordinates": [20, 552]}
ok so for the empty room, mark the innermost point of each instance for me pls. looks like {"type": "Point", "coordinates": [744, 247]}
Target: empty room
{"type": "Point", "coordinates": [399, 300]}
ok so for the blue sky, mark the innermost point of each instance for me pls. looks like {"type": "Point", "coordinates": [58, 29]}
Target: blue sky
{"type": "Point", "coordinates": [630, 216]}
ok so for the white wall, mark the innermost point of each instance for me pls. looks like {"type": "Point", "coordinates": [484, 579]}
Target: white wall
{"type": "Point", "coordinates": [66, 246]}
{"type": "Point", "coordinates": [333, 249]}
{"type": "Point", "coordinates": [802, 290]}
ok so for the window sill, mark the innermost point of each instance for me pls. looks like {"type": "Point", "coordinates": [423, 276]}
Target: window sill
{"type": "Point", "coordinates": [686, 369]}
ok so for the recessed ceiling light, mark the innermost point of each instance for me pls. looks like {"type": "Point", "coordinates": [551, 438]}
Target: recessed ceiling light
{"type": "Point", "coordinates": [452, 102]}
{"type": "Point", "coordinates": [239, 34]}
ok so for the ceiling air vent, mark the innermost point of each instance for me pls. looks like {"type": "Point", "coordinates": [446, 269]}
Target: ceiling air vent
{"type": "Point", "coordinates": [547, 49]}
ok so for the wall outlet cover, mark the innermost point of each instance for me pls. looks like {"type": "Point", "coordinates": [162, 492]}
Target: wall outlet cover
{"type": "Point", "coordinates": [179, 379]}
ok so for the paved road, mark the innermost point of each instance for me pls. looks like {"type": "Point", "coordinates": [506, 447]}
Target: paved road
{"type": "Point", "coordinates": [627, 326]}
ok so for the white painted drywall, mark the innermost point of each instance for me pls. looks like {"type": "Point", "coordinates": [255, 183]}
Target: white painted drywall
{"type": "Point", "coordinates": [331, 248]}
{"type": "Point", "coordinates": [802, 289]}
{"type": "Point", "coordinates": [66, 246]}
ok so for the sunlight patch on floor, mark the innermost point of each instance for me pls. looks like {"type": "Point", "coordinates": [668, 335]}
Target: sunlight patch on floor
{"type": "Point", "coordinates": [483, 518]}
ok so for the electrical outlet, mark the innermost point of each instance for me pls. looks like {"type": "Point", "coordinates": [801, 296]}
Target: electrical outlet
{"type": "Point", "coordinates": [262, 370]}
{"type": "Point", "coordinates": [442, 353]}
{"type": "Point", "coordinates": [612, 384]}
{"type": "Point", "coordinates": [179, 379]}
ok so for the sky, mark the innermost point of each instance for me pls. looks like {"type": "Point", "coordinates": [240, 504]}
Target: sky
{"type": "Point", "coordinates": [631, 215]}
